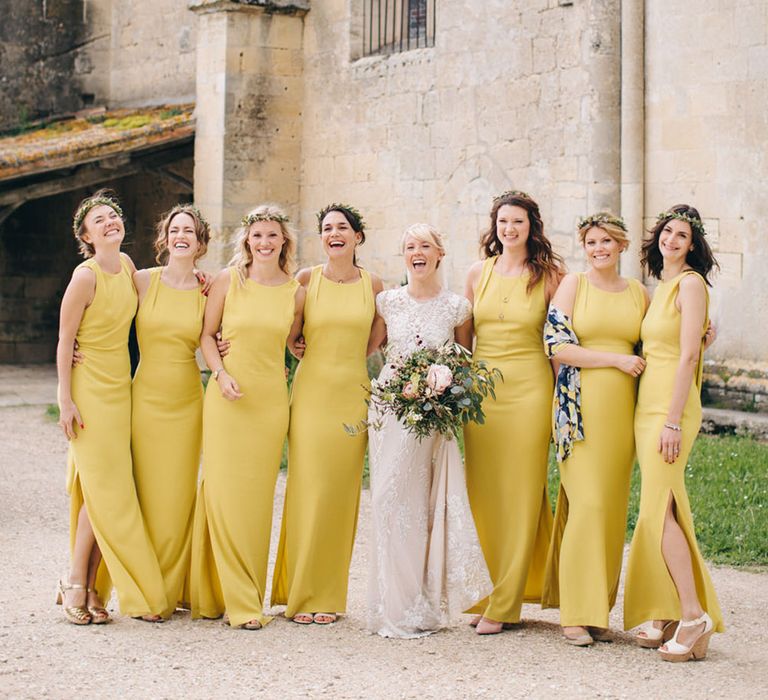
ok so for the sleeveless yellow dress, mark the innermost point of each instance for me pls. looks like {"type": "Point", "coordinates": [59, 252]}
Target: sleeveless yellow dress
{"type": "Point", "coordinates": [325, 465]}
{"type": "Point", "coordinates": [585, 554]}
{"type": "Point", "coordinates": [650, 593]}
{"type": "Point", "coordinates": [100, 468]}
{"type": "Point", "coordinates": [166, 425]}
{"type": "Point", "coordinates": [242, 447]}
{"type": "Point", "coordinates": [506, 458]}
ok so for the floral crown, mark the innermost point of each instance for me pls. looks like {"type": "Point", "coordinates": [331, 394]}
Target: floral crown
{"type": "Point", "coordinates": [335, 207]}
{"type": "Point", "coordinates": [695, 223]}
{"type": "Point", "coordinates": [89, 204]}
{"type": "Point", "coordinates": [189, 208]}
{"type": "Point", "coordinates": [512, 193]}
{"type": "Point", "coordinates": [602, 218]}
{"type": "Point", "coordinates": [249, 219]}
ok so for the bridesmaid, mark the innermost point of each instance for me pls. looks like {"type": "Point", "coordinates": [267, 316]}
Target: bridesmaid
{"type": "Point", "coordinates": [258, 306]}
{"type": "Point", "coordinates": [667, 579]}
{"type": "Point", "coordinates": [95, 414]}
{"type": "Point", "coordinates": [507, 456]}
{"type": "Point", "coordinates": [325, 464]}
{"type": "Point", "coordinates": [168, 394]}
{"type": "Point", "coordinates": [592, 330]}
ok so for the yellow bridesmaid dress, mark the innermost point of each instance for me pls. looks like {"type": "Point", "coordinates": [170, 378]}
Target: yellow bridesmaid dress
{"type": "Point", "coordinates": [506, 457]}
{"type": "Point", "coordinates": [650, 593]}
{"type": "Point", "coordinates": [166, 425]}
{"type": "Point", "coordinates": [325, 465]}
{"type": "Point", "coordinates": [242, 447]}
{"type": "Point", "coordinates": [585, 554]}
{"type": "Point", "coordinates": [100, 468]}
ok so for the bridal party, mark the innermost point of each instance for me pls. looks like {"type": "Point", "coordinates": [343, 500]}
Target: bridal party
{"type": "Point", "coordinates": [172, 483]}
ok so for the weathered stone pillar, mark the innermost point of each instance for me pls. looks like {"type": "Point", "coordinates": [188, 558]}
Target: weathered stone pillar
{"type": "Point", "coordinates": [604, 65]}
{"type": "Point", "coordinates": [633, 130]}
{"type": "Point", "coordinates": [249, 103]}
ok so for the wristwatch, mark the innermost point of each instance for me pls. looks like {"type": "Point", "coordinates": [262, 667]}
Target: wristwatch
{"type": "Point", "coordinates": [216, 373]}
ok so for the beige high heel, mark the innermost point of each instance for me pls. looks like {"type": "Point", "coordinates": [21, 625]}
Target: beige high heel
{"type": "Point", "coordinates": [99, 614]}
{"type": "Point", "coordinates": [675, 652]}
{"type": "Point", "coordinates": [655, 637]}
{"type": "Point", "coordinates": [76, 614]}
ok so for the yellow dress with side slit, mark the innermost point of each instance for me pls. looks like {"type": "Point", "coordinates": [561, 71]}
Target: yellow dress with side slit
{"type": "Point", "coordinates": [242, 448]}
{"type": "Point", "coordinates": [166, 425]}
{"type": "Point", "coordinates": [325, 465]}
{"type": "Point", "coordinates": [650, 593]}
{"type": "Point", "coordinates": [587, 547]}
{"type": "Point", "coordinates": [100, 467]}
{"type": "Point", "coordinates": [506, 457]}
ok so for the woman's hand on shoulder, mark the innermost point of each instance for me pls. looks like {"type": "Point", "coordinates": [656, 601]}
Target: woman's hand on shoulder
{"type": "Point", "coordinates": [205, 279]}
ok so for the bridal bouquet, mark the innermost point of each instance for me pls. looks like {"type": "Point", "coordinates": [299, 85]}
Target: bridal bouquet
{"type": "Point", "coordinates": [434, 390]}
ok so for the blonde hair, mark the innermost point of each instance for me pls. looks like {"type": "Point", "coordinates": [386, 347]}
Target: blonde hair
{"type": "Point", "coordinates": [242, 257]}
{"type": "Point", "coordinates": [202, 231]}
{"type": "Point", "coordinates": [612, 225]}
{"type": "Point", "coordinates": [423, 233]}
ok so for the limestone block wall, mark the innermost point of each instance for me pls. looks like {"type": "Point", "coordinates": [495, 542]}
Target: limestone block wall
{"type": "Point", "coordinates": [706, 136]}
{"type": "Point", "coordinates": [152, 53]}
{"type": "Point", "coordinates": [513, 94]}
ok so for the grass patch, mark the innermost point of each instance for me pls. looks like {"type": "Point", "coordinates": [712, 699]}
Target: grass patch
{"type": "Point", "coordinates": [727, 484]}
{"type": "Point", "coordinates": [52, 412]}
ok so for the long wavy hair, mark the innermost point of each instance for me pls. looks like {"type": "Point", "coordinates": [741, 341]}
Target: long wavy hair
{"type": "Point", "coordinates": [542, 261]}
{"type": "Point", "coordinates": [202, 231]}
{"type": "Point", "coordinates": [243, 257]}
{"type": "Point", "coordinates": [699, 258]}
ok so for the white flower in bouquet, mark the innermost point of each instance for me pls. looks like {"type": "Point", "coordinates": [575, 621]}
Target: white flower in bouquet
{"type": "Point", "coordinates": [439, 378]}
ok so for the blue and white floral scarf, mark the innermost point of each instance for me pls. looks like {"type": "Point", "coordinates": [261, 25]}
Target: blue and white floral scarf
{"type": "Point", "coordinates": [567, 425]}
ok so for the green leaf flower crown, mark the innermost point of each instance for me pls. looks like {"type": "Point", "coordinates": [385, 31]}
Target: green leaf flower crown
{"type": "Point", "coordinates": [512, 193]}
{"type": "Point", "coordinates": [249, 219]}
{"type": "Point", "coordinates": [695, 223]}
{"type": "Point", "coordinates": [89, 204]}
{"type": "Point", "coordinates": [602, 217]}
{"type": "Point", "coordinates": [332, 207]}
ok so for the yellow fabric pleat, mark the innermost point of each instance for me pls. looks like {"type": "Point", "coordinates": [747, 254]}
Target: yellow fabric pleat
{"type": "Point", "coordinates": [507, 456]}
{"type": "Point", "coordinates": [325, 465]}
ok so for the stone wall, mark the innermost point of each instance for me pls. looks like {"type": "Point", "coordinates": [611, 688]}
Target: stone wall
{"type": "Point", "coordinates": [514, 94]}
{"type": "Point", "coordinates": [152, 53]}
{"type": "Point", "coordinates": [706, 136]}
{"type": "Point", "coordinates": [47, 51]}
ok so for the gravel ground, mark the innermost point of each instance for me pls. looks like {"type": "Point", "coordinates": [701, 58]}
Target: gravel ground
{"type": "Point", "coordinates": [41, 655]}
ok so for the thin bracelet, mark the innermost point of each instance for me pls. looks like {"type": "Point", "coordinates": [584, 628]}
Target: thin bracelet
{"type": "Point", "coordinates": [673, 426]}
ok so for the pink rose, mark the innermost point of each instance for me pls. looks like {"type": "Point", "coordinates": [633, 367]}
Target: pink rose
{"type": "Point", "coordinates": [409, 391]}
{"type": "Point", "coordinates": [439, 378]}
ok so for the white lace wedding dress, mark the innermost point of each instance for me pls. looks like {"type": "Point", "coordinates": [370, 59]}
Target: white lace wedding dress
{"type": "Point", "coordinates": [426, 563]}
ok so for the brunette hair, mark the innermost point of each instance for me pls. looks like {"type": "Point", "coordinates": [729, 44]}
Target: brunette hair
{"type": "Point", "coordinates": [353, 217]}
{"type": "Point", "coordinates": [699, 258]}
{"type": "Point", "coordinates": [202, 231]}
{"type": "Point", "coordinates": [242, 257]}
{"type": "Point", "coordinates": [542, 261]}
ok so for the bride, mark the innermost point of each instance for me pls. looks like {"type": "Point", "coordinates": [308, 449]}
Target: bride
{"type": "Point", "coordinates": [427, 566]}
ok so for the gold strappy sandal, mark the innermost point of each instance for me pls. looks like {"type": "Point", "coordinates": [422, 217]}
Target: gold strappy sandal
{"type": "Point", "coordinates": [76, 614]}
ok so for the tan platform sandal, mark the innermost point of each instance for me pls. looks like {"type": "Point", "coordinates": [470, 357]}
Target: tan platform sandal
{"type": "Point", "coordinates": [324, 618]}
{"type": "Point", "coordinates": [584, 639]}
{"type": "Point", "coordinates": [251, 625]}
{"type": "Point", "coordinates": [76, 614]}
{"type": "Point", "coordinates": [654, 637]}
{"type": "Point", "coordinates": [675, 652]}
{"type": "Point", "coordinates": [303, 618]}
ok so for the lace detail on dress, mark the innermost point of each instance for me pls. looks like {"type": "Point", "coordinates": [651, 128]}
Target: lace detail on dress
{"type": "Point", "coordinates": [426, 563]}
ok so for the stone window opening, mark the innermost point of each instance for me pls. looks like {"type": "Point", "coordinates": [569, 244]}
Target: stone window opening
{"type": "Point", "coordinates": [394, 26]}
